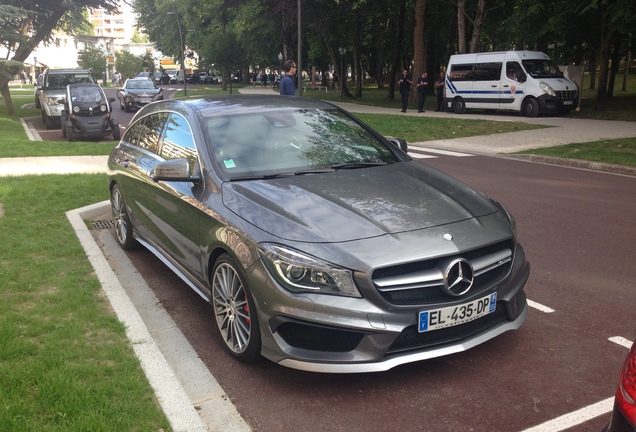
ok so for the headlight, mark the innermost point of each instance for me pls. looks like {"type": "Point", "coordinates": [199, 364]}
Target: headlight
{"type": "Point", "coordinates": [298, 272]}
{"type": "Point", "coordinates": [103, 108]}
{"type": "Point", "coordinates": [52, 100]}
{"type": "Point", "coordinates": [76, 109]}
{"type": "Point", "coordinates": [547, 89]}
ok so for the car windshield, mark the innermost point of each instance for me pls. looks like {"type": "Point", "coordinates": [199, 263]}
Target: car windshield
{"type": "Point", "coordinates": [541, 68]}
{"type": "Point", "coordinates": [293, 141]}
{"type": "Point", "coordinates": [86, 95]}
{"type": "Point", "coordinates": [60, 81]}
{"type": "Point", "coordinates": [140, 84]}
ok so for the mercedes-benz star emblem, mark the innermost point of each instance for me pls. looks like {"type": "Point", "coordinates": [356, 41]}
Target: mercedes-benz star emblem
{"type": "Point", "coordinates": [458, 277]}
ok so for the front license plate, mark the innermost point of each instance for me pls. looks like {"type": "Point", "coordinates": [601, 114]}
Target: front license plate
{"type": "Point", "coordinates": [568, 102]}
{"type": "Point", "coordinates": [456, 315]}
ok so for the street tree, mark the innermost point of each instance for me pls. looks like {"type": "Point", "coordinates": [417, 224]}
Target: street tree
{"type": "Point", "coordinates": [94, 58]}
{"type": "Point", "coordinates": [34, 23]}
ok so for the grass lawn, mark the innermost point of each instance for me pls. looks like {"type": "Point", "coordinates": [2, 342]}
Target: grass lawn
{"type": "Point", "coordinates": [65, 361]}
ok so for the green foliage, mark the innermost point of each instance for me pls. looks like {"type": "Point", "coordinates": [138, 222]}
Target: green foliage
{"type": "Point", "coordinates": [94, 58]}
{"type": "Point", "coordinates": [128, 64]}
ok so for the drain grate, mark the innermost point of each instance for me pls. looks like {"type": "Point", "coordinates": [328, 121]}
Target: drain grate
{"type": "Point", "coordinates": [104, 224]}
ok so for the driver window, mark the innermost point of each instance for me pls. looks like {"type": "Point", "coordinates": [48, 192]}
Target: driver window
{"type": "Point", "coordinates": [515, 72]}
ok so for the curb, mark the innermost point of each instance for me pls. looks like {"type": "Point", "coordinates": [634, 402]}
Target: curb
{"type": "Point", "coordinates": [576, 163]}
{"type": "Point", "coordinates": [189, 396]}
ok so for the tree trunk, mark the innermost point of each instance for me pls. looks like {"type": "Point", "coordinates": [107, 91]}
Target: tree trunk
{"type": "Point", "coordinates": [461, 26]}
{"type": "Point", "coordinates": [628, 61]}
{"type": "Point", "coordinates": [606, 36]}
{"type": "Point", "coordinates": [615, 60]}
{"type": "Point", "coordinates": [592, 72]}
{"type": "Point", "coordinates": [480, 14]}
{"type": "Point", "coordinates": [419, 47]}
{"type": "Point", "coordinates": [398, 50]}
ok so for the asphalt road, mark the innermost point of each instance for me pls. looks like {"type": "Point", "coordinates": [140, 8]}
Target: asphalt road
{"type": "Point", "coordinates": [558, 372]}
{"type": "Point", "coordinates": [578, 231]}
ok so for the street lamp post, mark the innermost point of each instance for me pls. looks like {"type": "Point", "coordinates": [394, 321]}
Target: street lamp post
{"type": "Point", "coordinates": [280, 62]}
{"type": "Point", "coordinates": [199, 56]}
{"type": "Point", "coordinates": [342, 52]}
{"type": "Point", "coordinates": [185, 89]}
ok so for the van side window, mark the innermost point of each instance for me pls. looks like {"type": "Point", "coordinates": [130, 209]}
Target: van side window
{"type": "Point", "coordinates": [487, 72]}
{"type": "Point", "coordinates": [514, 71]}
{"type": "Point", "coordinates": [461, 72]}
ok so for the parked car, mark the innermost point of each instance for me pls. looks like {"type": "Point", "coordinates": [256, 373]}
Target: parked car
{"type": "Point", "coordinates": [624, 412]}
{"type": "Point", "coordinates": [173, 76]}
{"type": "Point", "coordinates": [138, 92]}
{"type": "Point", "coordinates": [320, 244]}
{"type": "Point", "coordinates": [192, 78]}
{"type": "Point", "coordinates": [87, 113]}
{"type": "Point", "coordinates": [165, 78]}
{"type": "Point", "coordinates": [52, 87]}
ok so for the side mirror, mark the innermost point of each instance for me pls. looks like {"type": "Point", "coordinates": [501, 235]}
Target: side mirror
{"type": "Point", "coordinates": [61, 100]}
{"type": "Point", "coordinates": [111, 99]}
{"type": "Point", "coordinates": [176, 170]}
{"type": "Point", "coordinates": [399, 143]}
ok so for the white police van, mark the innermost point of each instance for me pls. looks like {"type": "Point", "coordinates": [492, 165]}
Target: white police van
{"type": "Point", "coordinates": [524, 81]}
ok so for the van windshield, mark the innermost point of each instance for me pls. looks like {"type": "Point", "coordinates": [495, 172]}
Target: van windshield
{"type": "Point", "coordinates": [540, 68]}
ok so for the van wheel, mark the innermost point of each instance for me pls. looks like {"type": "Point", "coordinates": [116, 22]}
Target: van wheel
{"type": "Point", "coordinates": [459, 106]}
{"type": "Point", "coordinates": [530, 107]}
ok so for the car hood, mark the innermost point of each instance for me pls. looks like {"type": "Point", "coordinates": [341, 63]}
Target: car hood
{"type": "Point", "coordinates": [355, 204]}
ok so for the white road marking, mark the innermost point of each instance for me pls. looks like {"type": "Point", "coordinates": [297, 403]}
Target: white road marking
{"type": "Point", "coordinates": [421, 156]}
{"type": "Point", "coordinates": [621, 341]}
{"type": "Point", "coordinates": [584, 414]}
{"type": "Point", "coordinates": [444, 152]}
{"type": "Point", "coordinates": [540, 306]}
{"type": "Point", "coordinates": [575, 418]}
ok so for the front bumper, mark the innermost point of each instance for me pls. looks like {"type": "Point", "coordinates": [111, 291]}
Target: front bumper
{"type": "Point", "coordinates": [331, 334]}
{"type": "Point", "coordinates": [552, 104]}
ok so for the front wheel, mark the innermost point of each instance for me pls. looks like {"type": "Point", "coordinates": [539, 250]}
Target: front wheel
{"type": "Point", "coordinates": [530, 107]}
{"type": "Point", "coordinates": [114, 124]}
{"type": "Point", "coordinates": [121, 220]}
{"type": "Point", "coordinates": [235, 310]}
{"type": "Point", "coordinates": [459, 106]}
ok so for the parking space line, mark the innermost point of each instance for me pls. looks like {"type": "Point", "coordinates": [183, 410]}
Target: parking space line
{"type": "Point", "coordinates": [584, 414]}
{"type": "Point", "coordinates": [415, 155]}
{"type": "Point", "coordinates": [444, 152]}
{"type": "Point", "coordinates": [621, 341]}
{"type": "Point", "coordinates": [575, 418]}
{"type": "Point", "coordinates": [540, 307]}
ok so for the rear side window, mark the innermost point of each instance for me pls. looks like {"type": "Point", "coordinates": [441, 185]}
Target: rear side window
{"type": "Point", "coordinates": [461, 72]}
{"type": "Point", "coordinates": [146, 132]}
{"type": "Point", "coordinates": [487, 72]}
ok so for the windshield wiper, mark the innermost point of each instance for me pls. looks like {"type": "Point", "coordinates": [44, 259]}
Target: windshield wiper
{"type": "Point", "coordinates": [354, 165]}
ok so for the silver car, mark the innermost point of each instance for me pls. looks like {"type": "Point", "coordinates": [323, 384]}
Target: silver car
{"type": "Point", "coordinates": [320, 244]}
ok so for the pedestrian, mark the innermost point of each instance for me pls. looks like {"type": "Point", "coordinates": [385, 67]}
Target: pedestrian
{"type": "Point", "coordinates": [23, 76]}
{"type": "Point", "coordinates": [439, 88]}
{"type": "Point", "coordinates": [404, 84]}
{"type": "Point", "coordinates": [422, 89]}
{"type": "Point", "coordinates": [30, 77]}
{"type": "Point", "coordinates": [287, 86]}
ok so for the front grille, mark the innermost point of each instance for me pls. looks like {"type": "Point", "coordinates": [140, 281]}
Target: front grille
{"type": "Point", "coordinates": [569, 95]}
{"type": "Point", "coordinates": [421, 283]}
{"type": "Point", "coordinates": [318, 338]}
{"type": "Point", "coordinates": [411, 339]}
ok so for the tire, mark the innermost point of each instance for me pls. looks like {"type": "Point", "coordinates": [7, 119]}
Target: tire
{"type": "Point", "coordinates": [37, 103]}
{"type": "Point", "coordinates": [121, 106]}
{"type": "Point", "coordinates": [63, 126]}
{"type": "Point", "coordinates": [49, 123]}
{"type": "Point", "coordinates": [459, 106]}
{"type": "Point", "coordinates": [70, 134]}
{"type": "Point", "coordinates": [121, 220]}
{"type": "Point", "coordinates": [235, 310]}
{"type": "Point", "coordinates": [126, 108]}
{"type": "Point", "coordinates": [530, 107]}
{"type": "Point", "coordinates": [114, 124]}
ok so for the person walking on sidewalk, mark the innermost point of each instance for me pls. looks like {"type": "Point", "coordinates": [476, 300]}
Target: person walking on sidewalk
{"type": "Point", "coordinates": [287, 86]}
{"type": "Point", "coordinates": [439, 88]}
{"type": "Point", "coordinates": [422, 89]}
{"type": "Point", "coordinates": [404, 84]}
